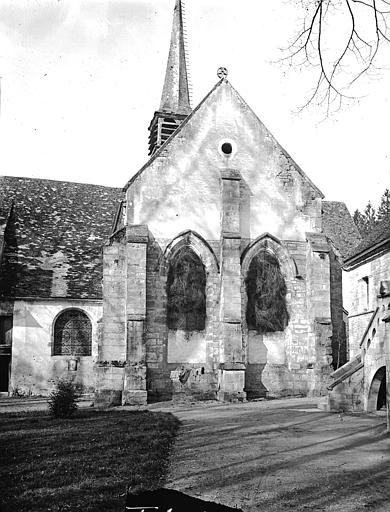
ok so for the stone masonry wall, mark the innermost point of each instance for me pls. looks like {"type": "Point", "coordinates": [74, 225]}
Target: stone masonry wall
{"type": "Point", "coordinates": [297, 360]}
{"type": "Point", "coordinates": [367, 336]}
{"type": "Point", "coordinates": [179, 364]}
{"type": "Point", "coordinates": [362, 304]}
{"type": "Point", "coordinates": [191, 368]}
{"type": "Point", "coordinates": [112, 345]}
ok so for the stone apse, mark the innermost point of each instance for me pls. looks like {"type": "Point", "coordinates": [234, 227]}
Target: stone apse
{"type": "Point", "coordinates": [218, 205]}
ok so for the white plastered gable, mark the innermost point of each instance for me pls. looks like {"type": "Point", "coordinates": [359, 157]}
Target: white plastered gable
{"type": "Point", "coordinates": [179, 188]}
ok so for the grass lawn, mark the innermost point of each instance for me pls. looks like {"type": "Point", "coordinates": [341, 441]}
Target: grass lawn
{"type": "Point", "coordinates": [83, 463]}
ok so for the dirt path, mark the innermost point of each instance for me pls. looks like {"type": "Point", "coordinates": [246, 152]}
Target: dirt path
{"type": "Point", "coordinates": [282, 455]}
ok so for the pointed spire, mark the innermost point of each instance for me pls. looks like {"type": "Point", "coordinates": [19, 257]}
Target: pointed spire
{"type": "Point", "coordinates": [175, 96]}
{"type": "Point", "coordinates": [175, 100]}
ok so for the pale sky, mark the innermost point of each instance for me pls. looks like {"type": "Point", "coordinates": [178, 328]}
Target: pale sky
{"type": "Point", "coordinates": [81, 80]}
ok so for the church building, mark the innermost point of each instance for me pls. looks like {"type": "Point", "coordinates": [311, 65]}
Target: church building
{"type": "Point", "coordinates": [214, 274]}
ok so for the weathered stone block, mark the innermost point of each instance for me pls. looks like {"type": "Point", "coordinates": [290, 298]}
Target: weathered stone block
{"type": "Point", "coordinates": [231, 385]}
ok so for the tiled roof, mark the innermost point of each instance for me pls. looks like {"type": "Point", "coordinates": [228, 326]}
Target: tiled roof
{"type": "Point", "coordinates": [380, 233]}
{"type": "Point", "coordinates": [339, 227]}
{"type": "Point", "coordinates": [54, 236]}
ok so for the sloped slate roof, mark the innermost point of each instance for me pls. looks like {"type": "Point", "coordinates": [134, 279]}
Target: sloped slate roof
{"type": "Point", "coordinates": [380, 233]}
{"type": "Point", "coordinates": [339, 227]}
{"type": "Point", "coordinates": [53, 237]}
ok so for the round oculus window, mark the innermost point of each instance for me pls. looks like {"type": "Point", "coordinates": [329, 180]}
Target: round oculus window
{"type": "Point", "coordinates": [226, 148]}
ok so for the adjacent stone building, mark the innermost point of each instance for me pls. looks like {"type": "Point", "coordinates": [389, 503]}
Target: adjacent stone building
{"type": "Point", "coordinates": [361, 383]}
{"type": "Point", "coordinates": [220, 276]}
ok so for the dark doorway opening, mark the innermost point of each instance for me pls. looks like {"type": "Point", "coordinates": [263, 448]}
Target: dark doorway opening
{"type": "Point", "coordinates": [5, 361]}
{"type": "Point", "coordinates": [382, 394]}
{"type": "Point", "coordinates": [377, 393]}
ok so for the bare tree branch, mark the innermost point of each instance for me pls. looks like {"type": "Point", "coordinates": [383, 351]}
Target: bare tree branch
{"type": "Point", "coordinates": [341, 59]}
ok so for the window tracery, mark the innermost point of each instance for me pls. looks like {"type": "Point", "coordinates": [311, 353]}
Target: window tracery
{"type": "Point", "coordinates": [72, 334]}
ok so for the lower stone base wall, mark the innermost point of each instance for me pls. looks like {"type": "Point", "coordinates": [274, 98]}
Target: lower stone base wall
{"type": "Point", "coordinates": [178, 381]}
{"type": "Point", "coordinates": [196, 383]}
{"type": "Point", "coordinates": [231, 382]}
{"type": "Point", "coordinates": [254, 386]}
{"type": "Point", "coordinates": [158, 384]}
{"type": "Point", "coordinates": [134, 397]}
{"type": "Point", "coordinates": [107, 398]}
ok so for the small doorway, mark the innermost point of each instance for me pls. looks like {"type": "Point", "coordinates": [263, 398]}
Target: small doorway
{"type": "Point", "coordinates": [5, 352]}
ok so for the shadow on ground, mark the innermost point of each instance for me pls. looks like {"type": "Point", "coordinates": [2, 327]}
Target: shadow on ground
{"type": "Point", "coordinates": [283, 455]}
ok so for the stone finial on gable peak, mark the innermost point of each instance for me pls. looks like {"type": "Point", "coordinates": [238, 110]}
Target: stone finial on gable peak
{"type": "Point", "coordinates": [222, 73]}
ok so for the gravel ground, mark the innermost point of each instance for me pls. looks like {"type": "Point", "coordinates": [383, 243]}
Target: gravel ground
{"type": "Point", "coordinates": [272, 456]}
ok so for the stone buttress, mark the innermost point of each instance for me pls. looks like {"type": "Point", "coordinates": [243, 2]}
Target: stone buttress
{"type": "Point", "coordinates": [121, 368]}
{"type": "Point", "coordinates": [232, 367]}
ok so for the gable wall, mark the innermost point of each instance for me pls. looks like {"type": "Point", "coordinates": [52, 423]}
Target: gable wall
{"type": "Point", "coordinates": [230, 202]}
{"type": "Point", "coordinates": [180, 189]}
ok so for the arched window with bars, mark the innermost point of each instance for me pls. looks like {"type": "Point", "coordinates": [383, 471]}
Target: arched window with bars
{"type": "Point", "coordinates": [72, 334]}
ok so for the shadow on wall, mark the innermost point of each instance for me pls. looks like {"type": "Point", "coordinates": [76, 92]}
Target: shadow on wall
{"type": "Point", "coordinates": [26, 321]}
{"type": "Point", "coordinates": [254, 386]}
{"type": "Point", "coordinates": [29, 380]}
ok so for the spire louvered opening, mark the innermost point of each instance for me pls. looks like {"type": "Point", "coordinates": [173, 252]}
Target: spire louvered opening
{"type": "Point", "coordinates": [162, 127]}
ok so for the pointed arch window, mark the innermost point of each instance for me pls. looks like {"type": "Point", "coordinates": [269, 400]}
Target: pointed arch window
{"type": "Point", "coordinates": [266, 291]}
{"type": "Point", "coordinates": [72, 334]}
{"type": "Point", "coordinates": [186, 292]}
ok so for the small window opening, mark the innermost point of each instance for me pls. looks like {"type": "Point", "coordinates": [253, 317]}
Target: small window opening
{"type": "Point", "coordinates": [227, 148]}
{"type": "Point", "coordinates": [364, 290]}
